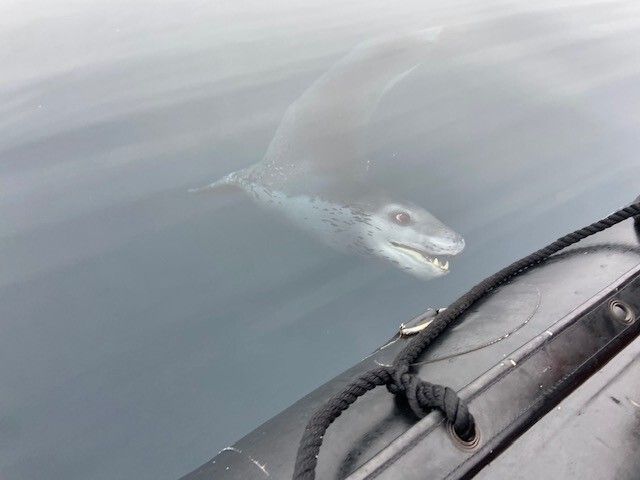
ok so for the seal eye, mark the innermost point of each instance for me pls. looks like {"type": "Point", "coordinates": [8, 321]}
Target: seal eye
{"type": "Point", "coordinates": [402, 218]}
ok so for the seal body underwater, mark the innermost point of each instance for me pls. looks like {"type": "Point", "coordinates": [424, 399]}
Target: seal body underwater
{"type": "Point", "coordinates": [316, 170]}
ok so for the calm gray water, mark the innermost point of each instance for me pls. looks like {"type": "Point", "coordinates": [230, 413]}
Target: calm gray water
{"type": "Point", "coordinates": [143, 328]}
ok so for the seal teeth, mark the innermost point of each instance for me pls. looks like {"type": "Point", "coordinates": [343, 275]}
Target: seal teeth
{"type": "Point", "coordinates": [440, 264]}
{"type": "Point", "coordinates": [435, 261]}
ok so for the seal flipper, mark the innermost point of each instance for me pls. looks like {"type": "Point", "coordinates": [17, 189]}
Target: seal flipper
{"type": "Point", "coordinates": [233, 182]}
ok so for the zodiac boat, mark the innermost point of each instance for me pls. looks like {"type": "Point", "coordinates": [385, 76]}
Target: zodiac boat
{"type": "Point", "coordinates": [548, 364]}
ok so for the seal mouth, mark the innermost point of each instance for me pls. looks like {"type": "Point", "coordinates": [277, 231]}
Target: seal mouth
{"type": "Point", "coordinates": [422, 256]}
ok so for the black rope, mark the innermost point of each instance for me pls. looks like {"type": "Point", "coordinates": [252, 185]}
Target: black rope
{"type": "Point", "coordinates": [422, 396]}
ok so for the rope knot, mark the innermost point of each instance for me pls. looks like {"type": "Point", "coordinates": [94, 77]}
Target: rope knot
{"type": "Point", "coordinates": [398, 377]}
{"type": "Point", "coordinates": [422, 397]}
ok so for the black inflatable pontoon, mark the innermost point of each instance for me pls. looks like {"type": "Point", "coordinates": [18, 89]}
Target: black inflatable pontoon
{"type": "Point", "coordinates": [549, 365]}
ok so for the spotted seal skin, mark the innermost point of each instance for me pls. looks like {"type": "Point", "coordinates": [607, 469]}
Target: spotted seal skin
{"type": "Point", "coordinates": [316, 171]}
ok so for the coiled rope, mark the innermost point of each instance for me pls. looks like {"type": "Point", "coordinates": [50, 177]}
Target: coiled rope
{"type": "Point", "coordinates": [422, 396]}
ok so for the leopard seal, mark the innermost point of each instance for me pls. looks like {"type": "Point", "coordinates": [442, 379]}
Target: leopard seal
{"type": "Point", "coordinates": [316, 171]}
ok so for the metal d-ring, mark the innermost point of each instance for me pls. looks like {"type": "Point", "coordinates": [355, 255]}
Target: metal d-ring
{"type": "Point", "coordinates": [406, 331]}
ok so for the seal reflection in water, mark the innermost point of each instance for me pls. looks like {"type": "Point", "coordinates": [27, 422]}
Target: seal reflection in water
{"type": "Point", "coordinates": [316, 171]}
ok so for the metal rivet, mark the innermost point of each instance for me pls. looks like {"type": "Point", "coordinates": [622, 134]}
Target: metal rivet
{"type": "Point", "coordinates": [621, 312]}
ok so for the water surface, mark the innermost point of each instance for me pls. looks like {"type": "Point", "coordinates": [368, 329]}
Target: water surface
{"type": "Point", "coordinates": [142, 329]}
